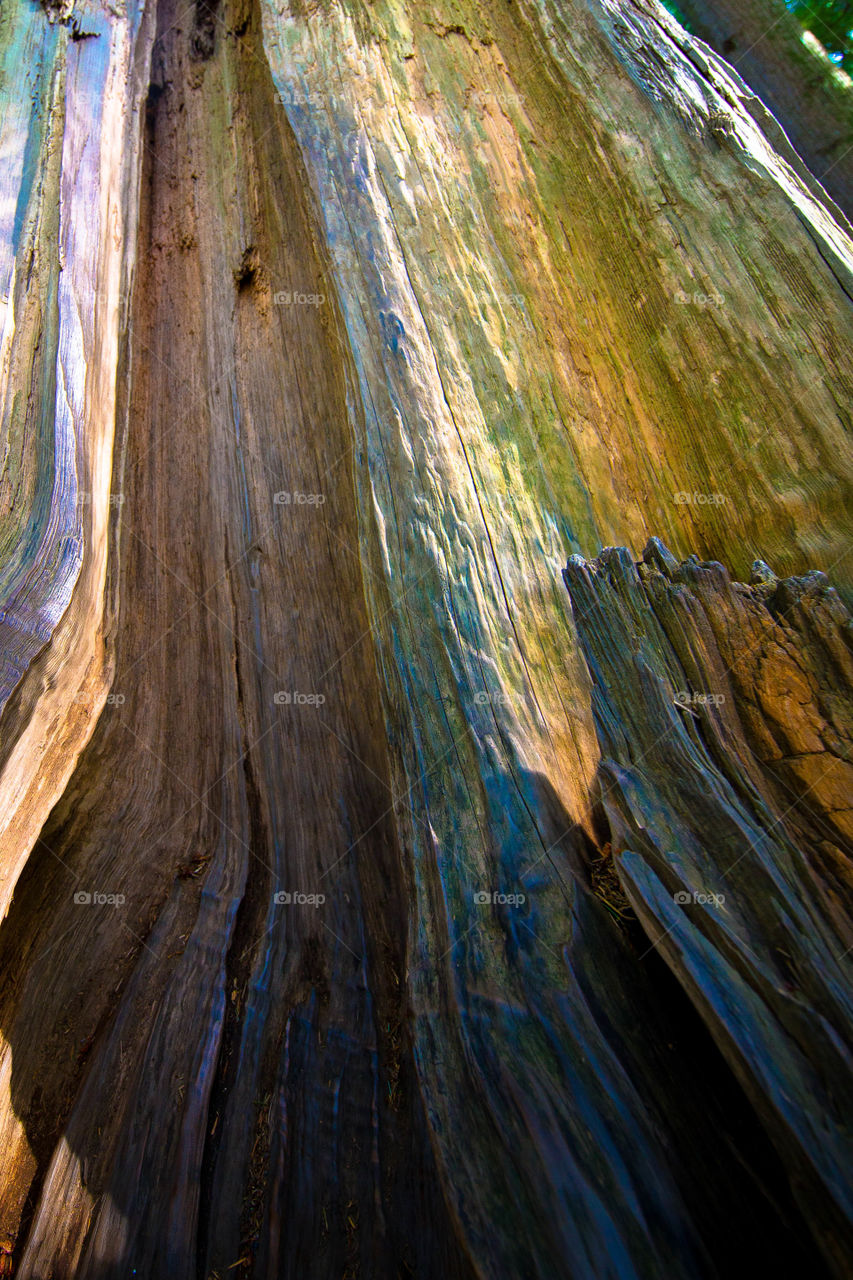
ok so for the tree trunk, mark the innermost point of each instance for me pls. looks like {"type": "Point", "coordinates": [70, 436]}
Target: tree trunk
{"type": "Point", "coordinates": [763, 42]}
{"type": "Point", "coordinates": [385, 896]}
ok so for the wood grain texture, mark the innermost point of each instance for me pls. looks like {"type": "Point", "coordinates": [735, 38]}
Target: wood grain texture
{"type": "Point", "coordinates": [723, 714]}
{"type": "Point", "coordinates": [339, 839]}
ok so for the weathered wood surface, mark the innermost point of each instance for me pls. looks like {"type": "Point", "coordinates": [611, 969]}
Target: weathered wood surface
{"type": "Point", "coordinates": [723, 714]}
{"type": "Point", "coordinates": [468, 291]}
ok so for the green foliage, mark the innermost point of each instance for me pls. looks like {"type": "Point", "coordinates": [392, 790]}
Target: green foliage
{"type": "Point", "coordinates": [831, 21]}
{"type": "Point", "coordinates": [673, 8]}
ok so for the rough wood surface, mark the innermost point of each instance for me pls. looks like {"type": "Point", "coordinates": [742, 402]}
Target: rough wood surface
{"type": "Point", "coordinates": [338, 929]}
{"type": "Point", "coordinates": [723, 714]}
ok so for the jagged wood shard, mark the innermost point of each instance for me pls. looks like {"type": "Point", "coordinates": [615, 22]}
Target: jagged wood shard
{"type": "Point", "coordinates": [342, 849]}
{"type": "Point", "coordinates": [723, 713]}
